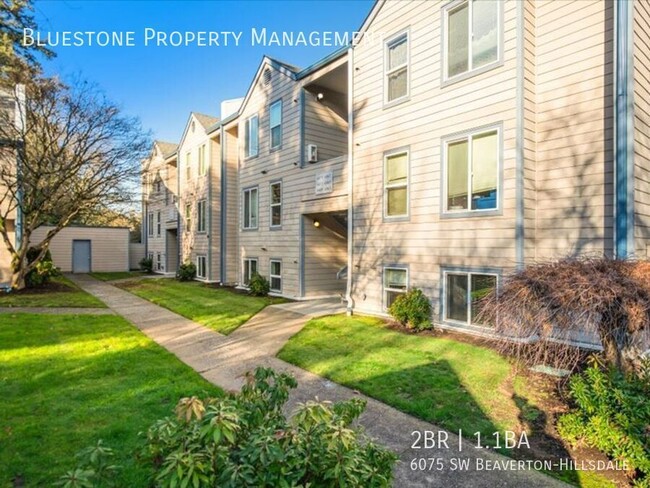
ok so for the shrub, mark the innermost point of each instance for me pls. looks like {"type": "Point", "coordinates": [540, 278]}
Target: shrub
{"type": "Point", "coordinates": [612, 414]}
{"type": "Point", "coordinates": [186, 272]}
{"type": "Point", "coordinates": [43, 271]}
{"type": "Point", "coordinates": [94, 469]}
{"type": "Point", "coordinates": [245, 440]}
{"type": "Point", "coordinates": [258, 285]}
{"type": "Point", "coordinates": [146, 265]}
{"type": "Point", "coordinates": [412, 309]}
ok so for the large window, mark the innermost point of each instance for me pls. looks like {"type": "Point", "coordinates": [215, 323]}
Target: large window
{"type": "Point", "coordinates": [150, 224]}
{"type": "Point", "coordinates": [275, 276]}
{"type": "Point", "coordinates": [276, 204]}
{"type": "Point", "coordinates": [203, 166]}
{"type": "Point", "coordinates": [200, 216]}
{"type": "Point", "coordinates": [188, 166]}
{"type": "Point", "coordinates": [188, 217]}
{"type": "Point", "coordinates": [201, 266]}
{"type": "Point", "coordinates": [395, 284]}
{"type": "Point", "coordinates": [250, 269]}
{"type": "Point", "coordinates": [275, 124]}
{"type": "Point", "coordinates": [251, 138]}
{"type": "Point", "coordinates": [471, 36]}
{"type": "Point", "coordinates": [396, 66]}
{"type": "Point", "coordinates": [463, 294]}
{"type": "Point", "coordinates": [396, 197]}
{"type": "Point", "coordinates": [158, 223]}
{"type": "Point", "coordinates": [472, 172]}
{"type": "Point", "coordinates": [250, 207]}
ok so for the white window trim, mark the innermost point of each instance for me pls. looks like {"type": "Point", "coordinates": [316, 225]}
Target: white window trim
{"type": "Point", "coordinates": [198, 267]}
{"type": "Point", "coordinates": [394, 290]}
{"type": "Point", "coordinates": [395, 39]}
{"type": "Point", "coordinates": [257, 223]}
{"type": "Point", "coordinates": [271, 276]}
{"type": "Point", "coordinates": [387, 155]}
{"type": "Point", "coordinates": [250, 275]}
{"type": "Point", "coordinates": [203, 160]}
{"type": "Point", "coordinates": [468, 136]}
{"type": "Point", "coordinates": [158, 223]}
{"type": "Point", "coordinates": [247, 147]}
{"type": "Point", "coordinates": [201, 213]}
{"type": "Point", "coordinates": [188, 165]}
{"type": "Point", "coordinates": [188, 217]}
{"type": "Point", "coordinates": [445, 42]}
{"type": "Point", "coordinates": [271, 127]}
{"type": "Point", "coordinates": [271, 204]}
{"type": "Point", "coordinates": [468, 299]}
{"type": "Point", "coordinates": [150, 224]}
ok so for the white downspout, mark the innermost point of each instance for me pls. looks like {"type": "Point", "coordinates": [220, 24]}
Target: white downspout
{"type": "Point", "coordinates": [348, 293]}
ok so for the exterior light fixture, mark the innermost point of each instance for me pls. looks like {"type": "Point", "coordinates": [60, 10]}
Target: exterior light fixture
{"type": "Point", "coordinates": [316, 224]}
{"type": "Point", "coordinates": [320, 96]}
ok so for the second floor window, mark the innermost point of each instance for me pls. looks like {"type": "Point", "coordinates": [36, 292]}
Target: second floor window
{"type": "Point", "coordinates": [251, 140]}
{"type": "Point", "coordinates": [203, 167]}
{"type": "Point", "coordinates": [472, 172]}
{"type": "Point", "coordinates": [471, 36]}
{"type": "Point", "coordinates": [158, 223]}
{"type": "Point", "coordinates": [250, 207]}
{"type": "Point", "coordinates": [396, 83]}
{"type": "Point", "coordinates": [200, 216]}
{"type": "Point", "coordinates": [275, 124]}
{"type": "Point", "coordinates": [396, 185]}
{"type": "Point", "coordinates": [276, 204]}
{"type": "Point", "coordinates": [150, 224]}
{"type": "Point", "coordinates": [188, 218]}
{"type": "Point", "coordinates": [188, 166]}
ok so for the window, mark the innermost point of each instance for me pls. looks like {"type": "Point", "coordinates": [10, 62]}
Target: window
{"type": "Point", "coordinates": [275, 276]}
{"type": "Point", "coordinates": [472, 167]}
{"type": "Point", "coordinates": [463, 294]}
{"type": "Point", "coordinates": [275, 124]}
{"type": "Point", "coordinates": [158, 223]}
{"type": "Point", "coordinates": [150, 224]}
{"type": "Point", "coordinates": [158, 184]}
{"type": "Point", "coordinates": [203, 167]}
{"type": "Point", "coordinates": [251, 137]}
{"type": "Point", "coordinates": [396, 198]}
{"type": "Point", "coordinates": [188, 166]}
{"type": "Point", "coordinates": [395, 283]}
{"type": "Point", "coordinates": [396, 83]}
{"type": "Point", "coordinates": [201, 266]}
{"type": "Point", "coordinates": [250, 268]}
{"type": "Point", "coordinates": [276, 204]}
{"type": "Point", "coordinates": [250, 208]}
{"type": "Point", "coordinates": [200, 216]}
{"type": "Point", "coordinates": [471, 36]}
{"type": "Point", "coordinates": [150, 256]}
{"type": "Point", "coordinates": [188, 217]}
{"type": "Point", "coordinates": [159, 262]}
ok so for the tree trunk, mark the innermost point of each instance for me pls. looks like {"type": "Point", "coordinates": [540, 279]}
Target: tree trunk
{"type": "Point", "coordinates": [18, 279]}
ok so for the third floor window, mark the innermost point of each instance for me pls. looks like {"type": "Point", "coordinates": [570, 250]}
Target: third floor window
{"type": "Point", "coordinates": [251, 139]}
{"type": "Point", "coordinates": [275, 124]}
{"type": "Point", "coordinates": [396, 83]}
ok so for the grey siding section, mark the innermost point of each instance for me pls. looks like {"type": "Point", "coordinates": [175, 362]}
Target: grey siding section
{"type": "Point", "coordinates": [232, 212]}
{"type": "Point", "coordinates": [136, 253]}
{"type": "Point", "coordinates": [325, 254]}
{"type": "Point", "coordinates": [324, 128]}
{"type": "Point", "coordinates": [642, 128]}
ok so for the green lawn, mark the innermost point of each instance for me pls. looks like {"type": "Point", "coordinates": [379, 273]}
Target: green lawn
{"type": "Point", "coordinates": [60, 292]}
{"type": "Point", "coordinates": [67, 381]}
{"type": "Point", "coordinates": [221, 309]}
{"type": "Point", "coordinates": [117, 275]}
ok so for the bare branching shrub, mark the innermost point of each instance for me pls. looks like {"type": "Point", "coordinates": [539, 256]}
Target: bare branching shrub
{"type": "Point", "coordinates": [543, 310]}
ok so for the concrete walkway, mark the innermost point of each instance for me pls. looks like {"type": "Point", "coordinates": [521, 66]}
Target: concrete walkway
{"type": "Point", "coordinates": [223, 360]}
{"type": "Point", "coordinates": [58, 310]}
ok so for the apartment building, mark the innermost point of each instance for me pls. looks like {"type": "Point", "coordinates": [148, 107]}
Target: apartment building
{"type": "Point", "coordinates": [469, 139]}
{"type": "Point", "coordinates": [489, 135]}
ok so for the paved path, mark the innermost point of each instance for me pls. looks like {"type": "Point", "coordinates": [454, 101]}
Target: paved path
{"type": "Point", "coordinates": [58, 310]}
{"type": "Point", "coordinates": [223, 360]}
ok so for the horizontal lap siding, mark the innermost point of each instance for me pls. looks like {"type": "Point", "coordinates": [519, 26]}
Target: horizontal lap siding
{"type": "Point", "coordinates": [325, 254]}
{"type": "Point", "coordinates": [5, 262]}
{"type": "Point", "coordinates": [642, 127]}
{"type": "Point", "coordinates": [109, 247]}
{"type": "Point", "coordinates": [325, 129]}
{"type": "Point", "coordinates": [232, 257]}
{"type": "Point", "coordinates": [574, 86]}
{"type": "Point", "coordinates": [214, 225]}
{"type": "Point", "coordinates": [529, 131]}
{"type": "Point", "coordinates": [426, 241]}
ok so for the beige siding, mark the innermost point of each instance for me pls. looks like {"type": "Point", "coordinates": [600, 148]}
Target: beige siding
{"type": "Point", "coordinates": [325, 254]}
{"type": "Point", "coordinates": [109, 246]}
{"type": "Point", "coordinates": [426, 241]}
{"type": "Point", "coordinates": [324, 128]}
{"type": "Point", "coordinates": [136, 253]}
{"type": "Point", "coordinates": [5, 262]}
{"type": "Point", "coordinates": [642, 127]}
{"type": "Point", "coordinates": [232, 212]}
{"type": "Point", "coordinates": [574, 88]}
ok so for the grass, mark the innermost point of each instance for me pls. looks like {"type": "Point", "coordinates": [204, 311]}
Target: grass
{"type": "Point", "coordinates": [220, 309]}
{"type": "Point", "coordinates": [67, 381]}
{"type": "Point", "coordinates": [117, 275]}
{"type": "Point", "coordinates": [59, 292]}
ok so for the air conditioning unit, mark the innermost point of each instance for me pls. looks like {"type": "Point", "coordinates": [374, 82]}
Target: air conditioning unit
{"type": "Point", "coordinates": [312, 153]}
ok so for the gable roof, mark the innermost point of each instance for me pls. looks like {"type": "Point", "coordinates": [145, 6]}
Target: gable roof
{"type": "Point", "coordinates": [166, 148]}
{"type": "Point", "coordinates": [369, 18]}
{"type": "Point", "coordinates": [205, 120]}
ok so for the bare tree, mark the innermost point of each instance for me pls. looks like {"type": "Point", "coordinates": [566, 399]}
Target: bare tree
{"type": "Point", "coordinates": [68, 151]}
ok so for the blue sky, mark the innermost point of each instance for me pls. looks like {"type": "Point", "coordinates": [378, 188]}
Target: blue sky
{"type": "Point", "coordinates": [161, 85]}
